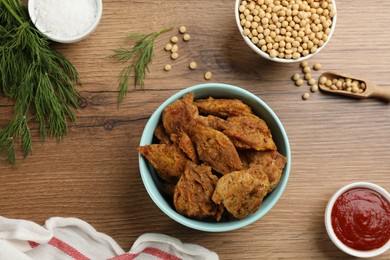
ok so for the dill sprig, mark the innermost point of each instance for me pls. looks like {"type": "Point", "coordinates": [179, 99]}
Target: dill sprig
{"type": "Point", "coordinates": [139, 58]}
{"type": "Point", "coordinates": [39, 79]}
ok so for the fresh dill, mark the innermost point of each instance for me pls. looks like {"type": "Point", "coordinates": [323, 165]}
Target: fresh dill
{"type": "Point", "coordinates": [138, 58]}
{"type": "Point", "coordinates": [39, 80]}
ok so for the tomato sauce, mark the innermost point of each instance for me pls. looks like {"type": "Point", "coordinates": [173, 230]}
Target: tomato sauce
{"type": "Point", "coordinates": [361, 219]}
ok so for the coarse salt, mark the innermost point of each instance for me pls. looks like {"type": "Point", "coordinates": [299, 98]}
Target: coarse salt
{"type": "Point", "coordinates": [65, 18]}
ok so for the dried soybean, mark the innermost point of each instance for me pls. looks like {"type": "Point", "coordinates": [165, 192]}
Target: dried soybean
{"type": "Point", "coordinates": [182, 29]}
{"type": "Point", "coordinates": [296, 76]}
{"type": "Point", "coordinates": [305, 96]}
{"type": "Point", "coordinates": [186, 37]}
{"type": "Point", "coordinates": [174, 39]}
{"type": "Point", "coordinates": [311, 82]}
{"type": "Point", "coordinates": [168, 47]}
{"type": "Point", "coordinates": [174, 55]}
{"type": "Point", "coordinates": [175, 48]}
{"type": "Point", "coordinates": [314, 88]}
{"type": "Point", "coordinates": [193, 65]}
{"type": "Point", "coordinates": [299, 82]}
{"type": "Point", "coordinates": [317, 66]}
{"type": "Point", "coordinates": [208, 75]}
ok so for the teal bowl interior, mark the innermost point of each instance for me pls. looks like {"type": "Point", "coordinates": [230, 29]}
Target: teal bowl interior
{"type": "Point", "coordinates": [216, 90]}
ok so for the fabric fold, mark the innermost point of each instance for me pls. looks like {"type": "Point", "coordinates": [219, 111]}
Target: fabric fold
{"type": "Point", "coordinates": [73, 238]}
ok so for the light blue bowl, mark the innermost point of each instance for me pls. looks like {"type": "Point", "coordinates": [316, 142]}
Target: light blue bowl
{"type": "Point", "coordinates": [216, 90]}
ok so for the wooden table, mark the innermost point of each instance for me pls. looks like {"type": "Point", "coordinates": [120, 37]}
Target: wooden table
{"type": "Point", "coordinates": [93, 173]}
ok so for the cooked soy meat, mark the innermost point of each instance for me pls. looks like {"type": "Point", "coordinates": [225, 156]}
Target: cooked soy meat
{"type": "Point", "coordinates": [215, 149]}
{"type": "Point", "coordinates": [249, 132]}
{"type": "Point", "coordinates": [168, 188]}
{"type": "Point", "coordinates": [167, 159]}
{"type": "Point", "coordinates": [241, 192]}
{"type": "Point", "coordinates": [177, 116]}
{"type": "Point", "coordinates": [222, 107]}
{"type": "Point", "coordinates": [214, 122]}
{"type": "Point", "coordinates": [272, 163]}
{"type": "Point", "coordinates": [162, 135]}
{"type": "Point", "coordinates": [184, 142]}
{"type": "Point", "coordinates": [194, 191]}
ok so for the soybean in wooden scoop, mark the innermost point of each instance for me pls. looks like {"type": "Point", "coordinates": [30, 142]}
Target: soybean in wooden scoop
{"type": "Point", "coordinates": [343, 84]}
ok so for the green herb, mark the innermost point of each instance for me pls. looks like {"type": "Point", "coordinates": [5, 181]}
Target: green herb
{"type": "Point", "coordinates": [139, 57]}
{"type": "Point", "coordinates": [39, 79]}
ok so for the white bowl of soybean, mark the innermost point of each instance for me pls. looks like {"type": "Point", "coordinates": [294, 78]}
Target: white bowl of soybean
{"type": "Point", "coordinates": [65, 21]}
{"type": "Point", "coordinates": [274, 27]}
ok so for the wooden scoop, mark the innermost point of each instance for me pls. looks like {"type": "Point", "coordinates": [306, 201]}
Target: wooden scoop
{"type": "Point", "coordinates": [371, 91]}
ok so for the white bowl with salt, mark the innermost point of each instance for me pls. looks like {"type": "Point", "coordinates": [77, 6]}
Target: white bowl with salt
{"type": "Point", "coordinates": [65, 21]}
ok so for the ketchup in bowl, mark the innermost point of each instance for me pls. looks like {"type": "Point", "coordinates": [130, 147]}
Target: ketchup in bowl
{"type": "Point", "coordinates": [360, 219]}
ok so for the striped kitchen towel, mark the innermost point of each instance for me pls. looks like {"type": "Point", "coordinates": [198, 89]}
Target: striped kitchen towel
{"type": "Point", "coordinates": [72, 238]}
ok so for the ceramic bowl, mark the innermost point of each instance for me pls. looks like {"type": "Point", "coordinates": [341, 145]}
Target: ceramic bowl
{"type": "Point", "coordinates": [328, 221]}
{"type": "Point", "coordinates": [152, 182]}
{"type": "Point", "coordinates": [33, 12]}
{"type": "Point", "coordinates": [265, 55]}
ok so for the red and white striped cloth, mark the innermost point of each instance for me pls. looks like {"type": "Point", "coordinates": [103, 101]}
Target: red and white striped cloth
{"type": "Point", "coordinates": [72, 238]}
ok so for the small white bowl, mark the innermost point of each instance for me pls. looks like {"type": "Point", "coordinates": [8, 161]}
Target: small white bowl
{"type": "Point", "coordinates": [328, 221]}
{"type": "Point", "coordinates": [266, 55]}
{"type": "Point", "coordinates": [65, 39]}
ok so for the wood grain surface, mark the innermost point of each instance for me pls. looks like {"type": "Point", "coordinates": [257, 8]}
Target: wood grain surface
{"type": "Point", "coordinates": [93, 172]}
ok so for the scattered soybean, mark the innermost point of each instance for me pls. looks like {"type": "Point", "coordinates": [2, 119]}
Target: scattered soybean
{"type": "Point", "coordinates": [186, 37]}
{"type": "Point", "coordinates": [305, 96]}
{"type": "Point", "coordinates": [314, 88]}
{"type": "Point", "coordinates": [311, 82]}
{"type": "Point", "coordinates": [306, 69]}
{"type": "Point", "coordinates": [174, 48]}
{"type": "Point", "coordinates": [174, 39]}
{"type": "Point", "coordinates": [308, 76]}
{"type": "Point", "coordinates": [299, 82]}
{"type": "Point", "coordinates": [317, 66]}
{"type": "Point", "coordinates": [168, 47]}
{"type": "Point", "coordinates": [174, 55]}
{"type": "Point", "coordinates": [182, 29]}
{"type": "Point", "coordinates": [193, 65]}
{"type": "Point", "coordinates": [304, 64]}
{"type": "Point", "coordinates": [296, 76]}
{"type": "Point", "coordinates": [208, 75]}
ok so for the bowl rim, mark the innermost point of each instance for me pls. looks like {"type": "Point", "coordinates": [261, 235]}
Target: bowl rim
{"type": "Point", "coordinates": [265, 55]}
{"type": "Point", "coordinates": [328, 221]}
{"type": "Point", "coordinates": [56, 38]}
{"type": "Point", "coordinates": [159, 200]}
